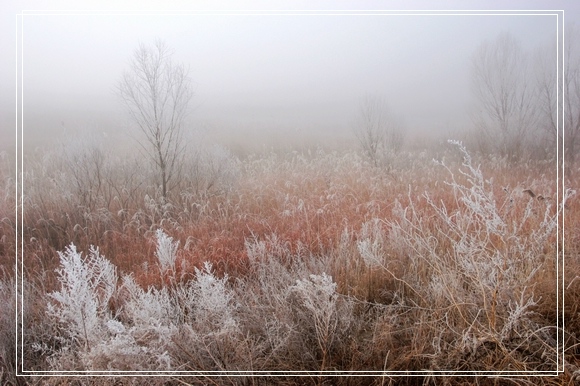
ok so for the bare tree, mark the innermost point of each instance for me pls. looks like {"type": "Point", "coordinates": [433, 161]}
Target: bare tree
{"type": "Point", "coordinates": [560, 97]}
{"type": "Point", "coordinates": [549, 87]}
{"type": "Point", "coordinates": [507, 114]}
{"type": "Point", "coordinates": [85, 160]}
{"type": "Point", "coordinates": [376, 129]}
{"type": "Point", "coordinates": [156, 93]}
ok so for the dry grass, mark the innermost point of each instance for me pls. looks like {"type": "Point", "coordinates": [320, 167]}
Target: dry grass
{"type": "Point", "coordinates": [331, 264]}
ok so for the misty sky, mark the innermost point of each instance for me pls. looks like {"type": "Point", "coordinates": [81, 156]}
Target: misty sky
{"type": "Point", "coordinates": [261, 74]}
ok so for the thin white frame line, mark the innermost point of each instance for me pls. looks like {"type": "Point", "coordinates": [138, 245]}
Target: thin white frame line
{"type": "Point", "coordinates": [296, 14]}
{"type": "Point", "coordinates": [560, 320]}
{"type": "Point", "coordinates": [274, 375]}
{"type": "Point", "coordinates": [27, 12]}
{"type": "Point", "coordinates": [104, 373]}
{"type": "Point", "coordinates": [22, 182]}
{"type": "Point", "coordinates": [561, 303]}
{"type": "Point", "coordinates": [557, 195]}
{"type": "Point", "coordinates": [304, 374]}
{"type": "Point", "coordinates": [157, 12]}
{"type": "Point", "coordinates": [240, 13]}
{"type": "Point", "coordinates": [477, 372]}
{"type": "Point", "coordinates": [17, 222]}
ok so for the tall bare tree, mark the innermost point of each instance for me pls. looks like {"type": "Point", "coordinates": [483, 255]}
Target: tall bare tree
{"type": "Point", "coordinates": [507, 99]}
{"type": "Point", "coordinates": [156, 93]}
{"type": "Point", "coordinates": [560, 94]}
{"type": "Point", "coordinates": [549, 88]}
{"type": "Point", "coordinates": [376, 129]}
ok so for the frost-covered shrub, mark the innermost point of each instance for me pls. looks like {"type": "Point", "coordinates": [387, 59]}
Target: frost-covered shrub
{"type": "Point", "coordinates": [317, 294]}
{"type": "Point", "coordinates": [209, 337]}
{"type": "Point", "coordinates": [471, 263]}
{"type": "Point", "coordinates": [149, 327]}
{"type": "Point", "coordinates": [81, 307]}
{"type": "Point", "coordinates": [137, 338]}
{"type": "Point", "coordinates": [141, 335]}
{"type": "Point", "coordinates": [91, 337]}
{"type": "Point", "coordinates": [166, 252]}
{"type": "Point", "coordinates": [371, 243]}
{"type": "Point", "coordinates": [495, 248]}
{"type": "Point", "coordinates": [122, 352]}
{"type": "Point", "coordinates": [149, 309]}
{"type": "Point", "coordinates": [322, 311]}
{"type": "Point", "coordinates": [214, 304]}
{"type": "Point", "coordinates": [275, 308]}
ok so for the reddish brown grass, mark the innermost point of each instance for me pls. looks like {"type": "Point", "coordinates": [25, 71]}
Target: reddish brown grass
{"type": "Point", "coordinates": [308, 204]}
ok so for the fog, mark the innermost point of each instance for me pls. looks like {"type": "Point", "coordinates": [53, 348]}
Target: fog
{"type": "Point", "coordinates": [261, 77]}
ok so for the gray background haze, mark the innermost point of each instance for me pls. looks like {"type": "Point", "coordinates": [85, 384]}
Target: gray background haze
{"type": "Point", "coordinates": [257, 77]}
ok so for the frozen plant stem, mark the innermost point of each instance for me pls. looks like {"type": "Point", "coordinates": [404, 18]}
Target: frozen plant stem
{"type": "Point", "coordinates": [166, 251]}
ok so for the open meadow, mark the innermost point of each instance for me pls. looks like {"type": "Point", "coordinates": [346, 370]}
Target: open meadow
{"type": "Point", "coordinates": [313, 260]}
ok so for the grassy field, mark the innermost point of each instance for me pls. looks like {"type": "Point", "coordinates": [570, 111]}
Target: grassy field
{"type": "Point", "coordinates": [311, 260]}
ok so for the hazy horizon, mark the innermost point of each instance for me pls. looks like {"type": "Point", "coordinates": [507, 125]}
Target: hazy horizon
{"type": "Point", "coordinates": [263, 75]}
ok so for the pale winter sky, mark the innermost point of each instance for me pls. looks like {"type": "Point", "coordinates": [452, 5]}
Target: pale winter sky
{"type": "Point", "coordinates": [257, 76]}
